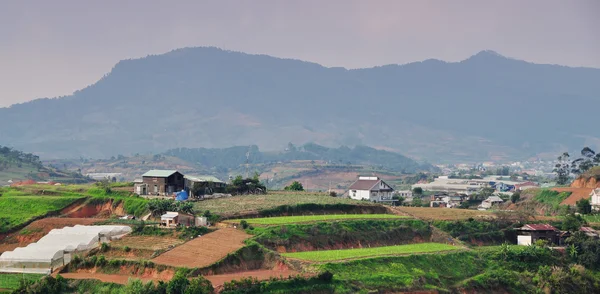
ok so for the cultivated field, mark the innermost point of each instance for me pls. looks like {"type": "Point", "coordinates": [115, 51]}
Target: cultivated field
{"type": "Point", "coordinates": [147, 242]}
{"type": "Point", "coordinates": [12, 281]}
{"type": "Point", "coordinates": [204, 251]}
{"type": "Point", "coordinates": [434, 213]}
{"type": "Point", "coordinates": [333, 255]}
{"type": "Point", "coordinates": [313, 218]}
{"type": "Point", "coordinates": [251, 203]}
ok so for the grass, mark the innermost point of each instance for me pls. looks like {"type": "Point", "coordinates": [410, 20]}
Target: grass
{"type": "Point", "coordinates": [592, 218]}
{"type": "Point", "coordinates": [249, 203]}
{"type": "Point", "coordinates": [12, 281]}
{"type": "Point", "coordinates": [313, 218]}
{"type": "Point", "coordinates": [17, 210]}
{"type": "Point", "coordinates": [550, 197]}
{"type": "Point", "coordinates": [333, 255]}
{"type": "Point", "coordinates": [406, 273]}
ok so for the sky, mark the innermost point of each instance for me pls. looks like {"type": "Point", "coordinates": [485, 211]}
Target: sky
{"type": "Point", "coordinates": [53, 48]}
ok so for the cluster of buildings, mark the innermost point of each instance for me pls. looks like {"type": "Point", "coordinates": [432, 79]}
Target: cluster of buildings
{"type": "Point", "coordinates": [169, 182]}
{"type": "Point", "coordinates": [530, 233]}
{"type": "Point", "coordinates": [471, 186]}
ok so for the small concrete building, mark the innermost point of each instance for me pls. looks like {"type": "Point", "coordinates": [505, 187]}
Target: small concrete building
{"type": "Point", "coordinates": [172, 219]}
{"type": "Point", "coordinates": [372, 189]}
{"type": "Point", "coordinates": [528, 234]}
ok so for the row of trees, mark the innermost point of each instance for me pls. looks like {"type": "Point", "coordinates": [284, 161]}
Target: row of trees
{"type": "Point", "coordinates": [565, 167]}
{"type": "Point", "coordinates": [10, 156]}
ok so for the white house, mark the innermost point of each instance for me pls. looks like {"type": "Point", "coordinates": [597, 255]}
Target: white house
{"type": "Point", "coordinates": [595, 199]}
{"type": "Point", "coordinates": [490, 201]}
{"type": "Point", "coordinates": [372, 189]}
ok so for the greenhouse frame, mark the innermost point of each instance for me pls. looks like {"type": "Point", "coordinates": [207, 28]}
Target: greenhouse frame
{"type": "Point", "coordinates": [58, 247]}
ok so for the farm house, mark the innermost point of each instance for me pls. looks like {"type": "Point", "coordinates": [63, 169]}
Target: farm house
{"type": "Point", "coordinates": [57, 248]}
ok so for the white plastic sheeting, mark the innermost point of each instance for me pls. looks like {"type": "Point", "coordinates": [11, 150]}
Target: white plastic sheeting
{"type": "Point", "coordinates": [56, 248]}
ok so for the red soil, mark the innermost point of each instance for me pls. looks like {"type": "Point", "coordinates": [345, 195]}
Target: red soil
{"type": "Point", "coordinates": [576, 194]}
{"type": "Point", "coordinates": [204, 251]}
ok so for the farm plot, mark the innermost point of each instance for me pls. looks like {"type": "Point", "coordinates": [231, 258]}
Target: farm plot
{"type": "Point", "coordinates": [333, 255]}
{"type": "Point", "coordinates": [250, 203]}
{"type": "Point", "coordinates": [12, 281]}
{"type": "Point", "coordinates": [313, 218]}
{"type": "Point", "coordinates": [431, 213]}
{"type": "Point", "coordinates": [204, 251]}
{"type": "Point", "coordinates": [147, 242]}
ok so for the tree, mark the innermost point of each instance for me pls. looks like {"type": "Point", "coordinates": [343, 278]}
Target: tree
{"type": "Point", "coordinates": [562, 169]}
{"type": "Point", "coordinates": [584, 206]}
{"type": "Point", "coordinates": [572, 222]}
{"type": "Point", "coordinates": [199, 285]}
{"type": "Point", "coordinates": [588, 160]}
{"type": "Point", "coordinates": [417, 191]}
{"type": "Point", "coordinates": [516, 196]}
{"type": "Point", "coordinates": [295, 186]}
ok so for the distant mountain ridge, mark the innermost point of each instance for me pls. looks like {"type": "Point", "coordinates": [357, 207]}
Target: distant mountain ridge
{"type": "Point", "coordinates": [485, 107]}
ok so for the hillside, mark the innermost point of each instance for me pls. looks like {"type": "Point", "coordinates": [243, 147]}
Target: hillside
{"type": "Point", "coordinates": [18, 166]}
{"type": "Point", "coordinates": [475, 109]}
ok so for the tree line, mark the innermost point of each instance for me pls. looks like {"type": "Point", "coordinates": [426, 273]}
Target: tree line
{"type": "Point", "coordinates": [10, 157]}
{"type": "Point", "coordinates": [566, 167]}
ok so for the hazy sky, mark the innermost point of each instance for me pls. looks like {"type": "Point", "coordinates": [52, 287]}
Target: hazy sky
{"type": "Point", "coordinates": [52, 48]}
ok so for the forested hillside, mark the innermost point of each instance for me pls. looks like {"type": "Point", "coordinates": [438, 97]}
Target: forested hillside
{"type": "Point", "coordinates": [233, 157]}
{"type": "Point", "coordinates": [16, 165]}
{"type": "Point", "coordinates": [485, 107]}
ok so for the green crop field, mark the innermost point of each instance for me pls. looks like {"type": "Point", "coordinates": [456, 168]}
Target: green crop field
{"type": "Point", "coordinates": [333, 255]}
{"type": "Point", "coordinates": [16, 210]}
{"type": "Point", "coordinates": [248, 203]}
{"type": "Point", "coordinates": [314, 218]}
{"type": "Point", "coordinates": [12, 281]}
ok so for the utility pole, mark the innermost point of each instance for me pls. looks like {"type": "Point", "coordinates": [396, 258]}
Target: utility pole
{"type": "Point", "coordinates": [247, 161]}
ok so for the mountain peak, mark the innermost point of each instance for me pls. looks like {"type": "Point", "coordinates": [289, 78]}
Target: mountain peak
{"type": "Point", "coordinates": [487, 55]}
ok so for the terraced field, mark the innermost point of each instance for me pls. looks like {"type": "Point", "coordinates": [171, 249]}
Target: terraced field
{"type": "Point", "coordinates": [434, 213]}
{"type": "Point", "coordinates": [336, 255]}
{"type": "Point", "coordinates": [250, 203]}
{"type": "Point", "coordinates": [147, 242]}
{"type": "Point", "coordinates": [282, 220]}
{"type": "Point", "coordinates": [204, 251]}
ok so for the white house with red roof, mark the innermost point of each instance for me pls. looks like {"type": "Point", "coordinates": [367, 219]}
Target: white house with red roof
{"type": "Point", "coordinates": [370, 188]}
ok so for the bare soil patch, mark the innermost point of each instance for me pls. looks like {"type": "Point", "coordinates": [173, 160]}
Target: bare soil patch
{"type": "Point", "coordinates": [576, 194]}
{"type": "Point", "coordinates": [147, 242]}
{"type": "Point", "coordinates": [118, 279]}
{"type": "Point", "coordinates": [219, 280]}
{"type": "Point", "coordinates": [204, 251]}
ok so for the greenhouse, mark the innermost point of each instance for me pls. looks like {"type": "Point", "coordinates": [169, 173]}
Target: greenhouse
{"type": "Point", "coordinates": [58, 247]}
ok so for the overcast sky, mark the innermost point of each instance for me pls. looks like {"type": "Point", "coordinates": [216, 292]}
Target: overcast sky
{"type": "Point", "coordinates": [52, 48]}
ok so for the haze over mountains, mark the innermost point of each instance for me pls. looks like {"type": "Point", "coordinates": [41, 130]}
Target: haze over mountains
{"type": "Point", "coordinates": [485, 107]}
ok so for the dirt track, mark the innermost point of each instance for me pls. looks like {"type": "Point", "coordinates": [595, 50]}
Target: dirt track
{"type": "Point", "coordinates": [204, 251]}
{"type": "Point", "coordinates": [118, 279]}
{"type": "Point", "coordinates": [219, 280]}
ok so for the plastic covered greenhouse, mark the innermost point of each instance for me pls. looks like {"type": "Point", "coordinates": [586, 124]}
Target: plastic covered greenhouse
{"type": "Point", "coordinates": [57, 248]}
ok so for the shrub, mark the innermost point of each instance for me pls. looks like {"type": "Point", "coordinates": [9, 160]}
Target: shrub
{"type": "Point", "coordinates": [244, 224]}
{"type": "Point", "coordinates": [104, 247]}
{"type": "Point", "coordinates": [126, 249]}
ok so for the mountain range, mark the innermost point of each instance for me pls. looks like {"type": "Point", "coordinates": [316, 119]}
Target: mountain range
{"type": "Point", "coordinates": [487, 107]}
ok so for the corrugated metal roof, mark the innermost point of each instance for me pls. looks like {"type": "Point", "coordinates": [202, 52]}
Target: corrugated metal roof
{"type": "Point", "coordinates": [204, 179]}
{"type": "Point", "coordinates": [159, 173]}
{"type": "Point", "coordinates": [538, 227]}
